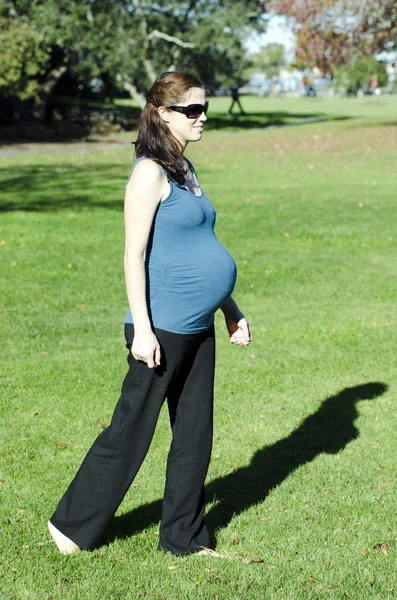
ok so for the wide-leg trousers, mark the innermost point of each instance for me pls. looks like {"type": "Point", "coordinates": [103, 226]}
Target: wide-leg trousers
{"type": "Point", "coordinates": [185, 377]}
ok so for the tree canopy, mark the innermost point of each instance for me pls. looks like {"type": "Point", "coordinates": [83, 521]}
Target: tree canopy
{"type": "Point", "coordinates": [357, 75]}
{"type": "Point", "coordinates": [268, 59]}
{"type": "Point", "coordinates": [123, 44]}
{"type": "Point", "coordinates": [337, 32]}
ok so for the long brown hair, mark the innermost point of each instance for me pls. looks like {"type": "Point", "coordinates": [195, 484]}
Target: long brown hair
{"type": "Point", "coordinates": [155, 140]}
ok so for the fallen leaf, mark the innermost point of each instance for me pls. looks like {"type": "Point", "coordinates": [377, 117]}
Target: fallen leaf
{"type": "Point", "coordinates": [253, 559]}
{"type": "Point", "coordinates": [173, 567]}
{"type": "Point", "coordinates": [364, 552]}
{"type": "Point", "coordinates": [382, 546]}
{"type": "Point", "coordinates": [371, 581]}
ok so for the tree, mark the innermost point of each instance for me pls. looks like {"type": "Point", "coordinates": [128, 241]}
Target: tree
{"type": "Point", "coordinates": [67, 34]}
{"type": "Point", "coordinates": [269, 59]}
{"type": "Point", "coordinates": [128, 42]}
{"type": "Point", "coordinates": [22, 60]}
{"type": "Point", "coordinates": [337, 32]}
{"type": "Point", "coordinates": [202, 35]}
{"type": "Point", "coordinates": [357, 75]}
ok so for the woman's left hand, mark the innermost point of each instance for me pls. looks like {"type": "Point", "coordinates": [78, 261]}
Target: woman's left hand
{"type": "Point", "coordinates": [240, 332]}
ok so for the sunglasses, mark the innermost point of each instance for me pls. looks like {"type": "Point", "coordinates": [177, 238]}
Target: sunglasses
{"type": "Point", "coordinates": [192, 111]}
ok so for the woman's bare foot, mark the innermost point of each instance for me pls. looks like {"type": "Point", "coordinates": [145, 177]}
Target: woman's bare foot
{"type": "Point", "coordinates": [65, 545]}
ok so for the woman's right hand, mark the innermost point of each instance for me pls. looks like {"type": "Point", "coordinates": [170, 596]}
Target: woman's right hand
{"type": "Point", "coordinates": [146, 347]}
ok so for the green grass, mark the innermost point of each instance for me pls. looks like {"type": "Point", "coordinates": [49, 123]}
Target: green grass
{"type": "Point", "coordinates": [303, 467]}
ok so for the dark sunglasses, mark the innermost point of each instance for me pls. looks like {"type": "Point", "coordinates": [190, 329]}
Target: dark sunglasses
{"type": "Point", "coordinates": [192, 111]}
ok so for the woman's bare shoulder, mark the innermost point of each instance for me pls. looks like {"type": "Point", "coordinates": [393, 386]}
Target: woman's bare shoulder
{"type": "Point", "coordinates": [148, 180]}
{"type": "Point", "coordinates": [148, 168]}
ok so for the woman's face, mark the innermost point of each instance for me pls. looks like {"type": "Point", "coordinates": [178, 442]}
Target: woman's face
{"type": "Point", "coordinates": [187, 130]}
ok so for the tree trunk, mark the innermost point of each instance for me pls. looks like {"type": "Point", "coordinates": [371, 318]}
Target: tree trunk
{"type": "Point", "coordinates": [45, 92]}
{"type": "Point", "coordinates": [133, 92]}
{"type": "Point", "coordinates": [171, 39]}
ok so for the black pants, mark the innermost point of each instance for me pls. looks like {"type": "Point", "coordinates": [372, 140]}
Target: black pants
{"type": "Point", "coordinates": [185, 377]}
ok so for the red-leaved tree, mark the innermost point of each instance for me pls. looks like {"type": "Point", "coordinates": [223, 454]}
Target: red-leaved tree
{"type": "Point", "coordinates": [338, 32]}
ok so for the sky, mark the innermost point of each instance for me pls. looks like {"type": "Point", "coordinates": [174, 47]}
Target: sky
{"type": "Point", "coordinates": [278, 32]}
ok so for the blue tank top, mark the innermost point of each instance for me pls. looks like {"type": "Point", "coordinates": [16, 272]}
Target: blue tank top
{"type": "Point", "coordinates": [189, 273]}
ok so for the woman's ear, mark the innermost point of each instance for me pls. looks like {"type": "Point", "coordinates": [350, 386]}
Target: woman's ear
{"type": "Point", "coordinates": [164, 114]}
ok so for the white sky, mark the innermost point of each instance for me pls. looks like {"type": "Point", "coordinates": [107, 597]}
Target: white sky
{"type": "Point", "coordinates": [278, 32]}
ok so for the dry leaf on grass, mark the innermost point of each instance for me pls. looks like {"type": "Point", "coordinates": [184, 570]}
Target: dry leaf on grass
{"type": "Point", "coordinates": [382, 546]}
{"type": "Point", "coordinates": [253, 559]}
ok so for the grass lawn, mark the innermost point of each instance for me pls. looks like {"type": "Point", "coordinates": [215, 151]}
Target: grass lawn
{"type": "Point", "coordinates": [303, 472]}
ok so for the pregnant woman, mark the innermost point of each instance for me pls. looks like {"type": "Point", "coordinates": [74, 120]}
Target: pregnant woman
{"type": "Point", "coordinates": [177, 275]}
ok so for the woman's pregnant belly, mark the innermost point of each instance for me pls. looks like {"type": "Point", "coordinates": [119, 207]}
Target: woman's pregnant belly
{"type": "Point", "coordinates": [186, 291]}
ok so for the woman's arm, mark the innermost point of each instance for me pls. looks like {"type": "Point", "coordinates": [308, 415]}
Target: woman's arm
{"type": "Point", "coordinates": [237, 325]}
{"type": "Point", "coordinates": [143, 195]}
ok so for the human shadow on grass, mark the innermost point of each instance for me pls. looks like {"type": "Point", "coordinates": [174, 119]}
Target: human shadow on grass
{"type": "Point", "coordinates": [329, 430]}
